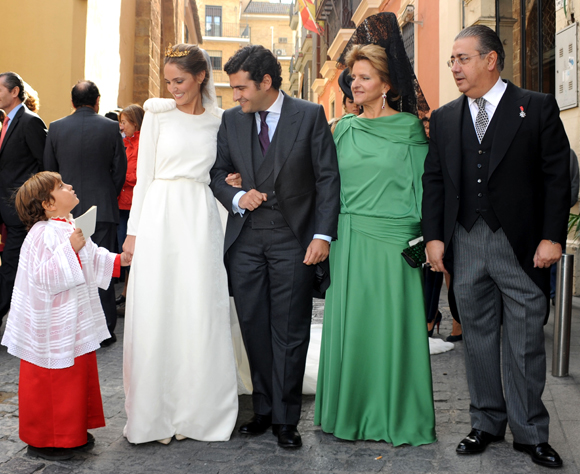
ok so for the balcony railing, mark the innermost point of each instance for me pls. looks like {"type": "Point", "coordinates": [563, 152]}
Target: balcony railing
{"type": "Point", "coordinates": [306, 36]}
{"type": "Point", "coordinates": [220, 76]}
{"type": "Point", "coordinates": [294, 13]}
{"type": "Point", "coordinates": [227, 30]}
{"type": "Point", "coordinates": [340, 16]}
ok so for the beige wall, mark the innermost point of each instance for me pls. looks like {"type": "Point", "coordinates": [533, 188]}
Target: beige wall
{"type": "Point", "coordinates": [230, 11]}
{"type": "Point", "coordinates": [228, 48]}
{"type": "Point", "coordinates": [261, 28]}
{"type": "Point", "coordinates": [230, 16]}
{"type": "Point", "coordinates": [449, 27]}
{"type": "Point", "coordinates": [51, 59]}
{"type": "Point", "coordinates": [126, 52]}
{"type": "Point", "coordinates": [262, 34]}
{"type": "Point", "coordinates": [119, 44]}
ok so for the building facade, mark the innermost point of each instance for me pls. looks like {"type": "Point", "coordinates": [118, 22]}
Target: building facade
{"type": "Point", "coordinates": [529, 29]}
{"type": "Point", "coordinates": [118, 44]}
{"type": "Point", "coordinates": [229, 25]}
{"type": "Point", "coordinates": [540, 38]}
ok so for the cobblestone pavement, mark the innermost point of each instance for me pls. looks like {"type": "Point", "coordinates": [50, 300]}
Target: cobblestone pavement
{"type": "Point", "coordinates": [321, 453]}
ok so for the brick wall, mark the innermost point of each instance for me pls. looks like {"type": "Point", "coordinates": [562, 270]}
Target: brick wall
{"type": "Point", "coordinates": [146, 81]}
{"type": "Point", "coordinates": [158, 23]}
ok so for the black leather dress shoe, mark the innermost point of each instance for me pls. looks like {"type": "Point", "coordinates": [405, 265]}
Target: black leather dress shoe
{"type": "Point", "coordinates": [51, 454]}
{"type": "Point", "coordinates": [288, 436]}
{"type": "Point", "coordinates": [476, 442]}
{"type": "Point", "coordinates": [109, 341]}
{"type": "Point", "coordinates": [90, 444]}
{"type": "Point", "coordinates": [257, 425]}
{"type": "Point", "coordinates": [542, 454]}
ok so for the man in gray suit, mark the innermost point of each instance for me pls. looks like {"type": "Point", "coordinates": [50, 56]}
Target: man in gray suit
{"type": "Point", "coordinates": [495, 206]}
{"type": "Point", "coordinates": [87, 150]}
{"type": "Point", "coordinates": [278, 232]}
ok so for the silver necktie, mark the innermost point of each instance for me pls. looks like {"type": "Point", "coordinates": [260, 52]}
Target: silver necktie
{"type": "Point", "coordinates": [482, 120]}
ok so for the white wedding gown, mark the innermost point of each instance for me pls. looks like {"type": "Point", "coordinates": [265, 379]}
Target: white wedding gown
{"type": "Point", "coordinates": [178, 369]}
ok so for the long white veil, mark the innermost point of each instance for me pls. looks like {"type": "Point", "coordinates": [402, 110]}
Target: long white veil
{"type": "Point", "coordinates": [209, 99]}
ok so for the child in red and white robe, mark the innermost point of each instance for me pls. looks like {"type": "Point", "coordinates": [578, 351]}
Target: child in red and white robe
{"type": "Point", "coordinates": [56, 321]}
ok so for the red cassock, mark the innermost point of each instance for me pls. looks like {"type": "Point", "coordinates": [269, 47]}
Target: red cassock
{"type": "Point", "coordinates": [58, 406]}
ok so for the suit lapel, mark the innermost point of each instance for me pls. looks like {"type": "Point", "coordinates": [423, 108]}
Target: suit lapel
{"type": "Point", "coordinates": [453, 140]}
{"type": "Point", "coordinates": [286, 131]}
{"type": "Point", "coordinates": [509, 122]}
{"type": "Point", "coordinates": [244, 128]}
{"type": "Point", "coordinates": [12, 127]}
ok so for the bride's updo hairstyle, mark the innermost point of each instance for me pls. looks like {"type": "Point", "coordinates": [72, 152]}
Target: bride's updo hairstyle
{"type": "Point", "coordinates": [375, 55]}
{"type": "Point", "coordinates": [189, 58]}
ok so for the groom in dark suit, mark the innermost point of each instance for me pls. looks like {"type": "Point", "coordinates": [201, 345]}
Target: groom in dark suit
{"type": "Point", "coordinates": [495, 207]}
{"type": "Point", "coordinates": [278, 231]}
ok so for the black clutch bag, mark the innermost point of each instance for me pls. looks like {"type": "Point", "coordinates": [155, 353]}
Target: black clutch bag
{"type": "Point", "coordinates": [414, 254]}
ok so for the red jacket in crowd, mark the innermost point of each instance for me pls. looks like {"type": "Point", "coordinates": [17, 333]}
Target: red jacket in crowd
{"type": "Point", "coordinates": [132, 146]}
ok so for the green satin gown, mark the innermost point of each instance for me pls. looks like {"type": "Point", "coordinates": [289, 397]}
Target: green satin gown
{"type": "Point", "coordinates": [374, 379]}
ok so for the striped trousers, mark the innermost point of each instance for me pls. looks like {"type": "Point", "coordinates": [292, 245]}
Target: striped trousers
{"type": "Point", "coordinates": [502, 315]}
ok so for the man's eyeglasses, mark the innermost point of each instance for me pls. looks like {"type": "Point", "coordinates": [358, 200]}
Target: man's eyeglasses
{"type": "Point", "coordinates": [463, 60]}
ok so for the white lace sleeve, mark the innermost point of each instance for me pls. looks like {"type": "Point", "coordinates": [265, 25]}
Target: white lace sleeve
{"type": "Point", "coordinates": [145, 168]}
{"type": "Point", "coordinates": [55, 270]}
{"type": "Point", "coordinates": [103, 263]}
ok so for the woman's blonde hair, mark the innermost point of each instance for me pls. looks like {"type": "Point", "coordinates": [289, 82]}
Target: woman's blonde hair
{"type": "Point", "coordinates": [375, 55]}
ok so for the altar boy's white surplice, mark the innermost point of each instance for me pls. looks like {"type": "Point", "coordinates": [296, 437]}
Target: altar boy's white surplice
{"type": "Point", "coordinates": [55, 314]}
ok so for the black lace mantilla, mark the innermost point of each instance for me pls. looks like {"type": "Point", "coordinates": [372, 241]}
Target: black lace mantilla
{"type": "Point", "coordinates": [382, 29]}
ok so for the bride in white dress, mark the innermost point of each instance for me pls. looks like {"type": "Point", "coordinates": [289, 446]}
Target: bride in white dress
{"type": "Point", "coordinates": [178, 362]}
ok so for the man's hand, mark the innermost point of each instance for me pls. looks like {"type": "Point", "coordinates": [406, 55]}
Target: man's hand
{"type": "Point", "coordinates": [547, 254]}
{"type": "Point", "coordinates": [316, 252]}
{"type": "Point", "coordinates": [77, 240]}
{"type": "Point", "coordinates": [129, 245]}
{"type": "Point", "coordinates": [434, 250]}
{"type": "Point", "coordinates": [252, 200]}
{"type": "Point", "coordinates": [126, 259]}
{"type": "Point", "coordinates": [234, 180]}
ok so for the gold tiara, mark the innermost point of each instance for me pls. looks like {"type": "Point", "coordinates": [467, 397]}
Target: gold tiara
{"type": "Point", "coordinates": [169, 53]}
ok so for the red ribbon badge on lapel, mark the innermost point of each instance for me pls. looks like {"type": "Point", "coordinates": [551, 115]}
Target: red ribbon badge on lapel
{"type": "Point", "coordinates": [522, 113]}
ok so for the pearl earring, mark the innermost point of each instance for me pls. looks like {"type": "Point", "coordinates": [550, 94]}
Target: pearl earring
{"type": "Point", "coordinates": [384, 99]}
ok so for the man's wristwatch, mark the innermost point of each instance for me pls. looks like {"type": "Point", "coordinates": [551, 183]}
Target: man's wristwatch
{"type": "Point", "coordinates": [553, 243]}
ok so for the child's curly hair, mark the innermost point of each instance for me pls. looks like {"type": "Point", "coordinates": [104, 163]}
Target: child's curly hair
{"type": "Point", "coordinates": [32, 194]}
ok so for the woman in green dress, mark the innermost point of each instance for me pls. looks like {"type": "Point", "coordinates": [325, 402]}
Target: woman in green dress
{"type": "Point", "coordinates": [374, 380]}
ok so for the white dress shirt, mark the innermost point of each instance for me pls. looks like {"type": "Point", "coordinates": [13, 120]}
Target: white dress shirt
{"type": "Point", "coordinates": [12, 114]}
{"type": "Point", "coordinates": [492, 98]}
{"type": "Point", "coordinates": [273, 116]}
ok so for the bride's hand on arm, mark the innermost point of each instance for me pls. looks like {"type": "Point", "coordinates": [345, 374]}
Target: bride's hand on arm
{"type": "Point", "coordinates": [129, 245]}
{"type": "Point", "coordinates": [234, 180]}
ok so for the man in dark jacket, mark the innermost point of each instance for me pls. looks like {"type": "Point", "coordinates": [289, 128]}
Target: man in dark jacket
{"type": "Point", "coordinates": [496, 197]}
{"type": "Point", "coordinates": [88, 151]}
{"type": "Point", "coordinates": [21, 146]}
